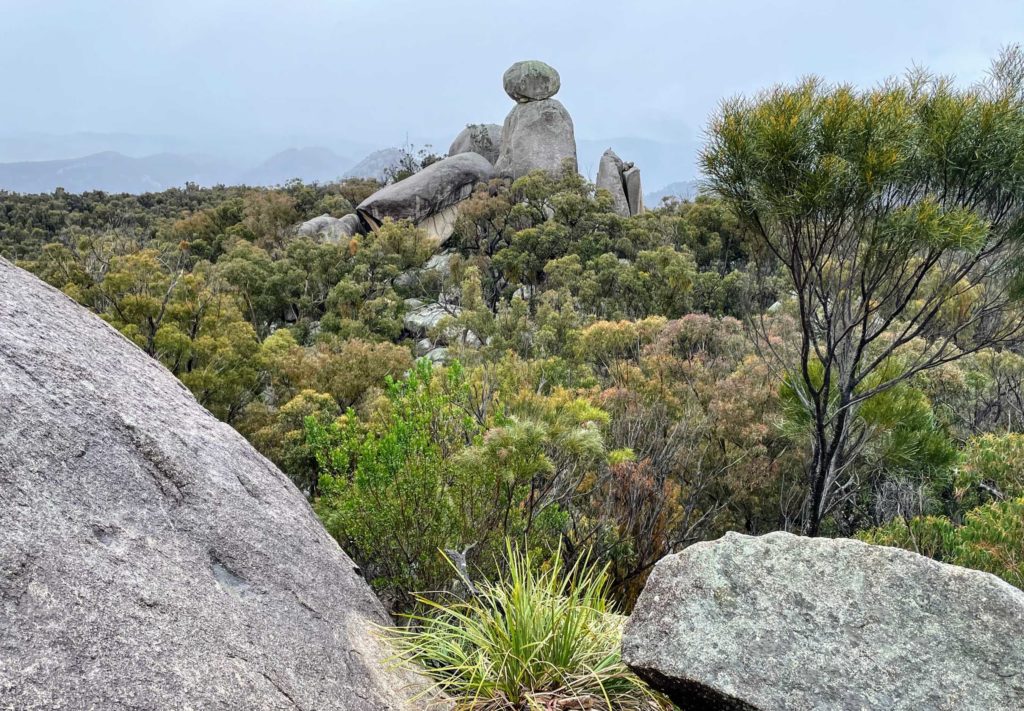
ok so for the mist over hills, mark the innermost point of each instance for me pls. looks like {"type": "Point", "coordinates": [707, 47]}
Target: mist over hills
{"type": "Point", "coordinates": [39, 163]}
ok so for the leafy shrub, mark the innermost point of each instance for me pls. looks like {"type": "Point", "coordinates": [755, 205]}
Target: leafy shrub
{"type": "Point", "coordinates": [990, 539]}
{"type": "Point", "coordinates": [529, 640]}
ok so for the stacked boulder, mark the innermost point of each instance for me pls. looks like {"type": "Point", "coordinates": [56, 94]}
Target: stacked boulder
{"type": "Point", "coordinates": [538, 131]}
{"type": "Point", "coordinates": [622, 180]}
{"type": "Point", "coordinates": [537, 134]}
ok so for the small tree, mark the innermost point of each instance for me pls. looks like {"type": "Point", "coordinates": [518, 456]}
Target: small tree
{"type": "Point", "coordinates": [894, 214]}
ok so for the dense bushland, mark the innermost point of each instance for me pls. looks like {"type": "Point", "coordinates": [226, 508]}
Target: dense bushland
{"type": "Point", "coordinates": [829, 344]}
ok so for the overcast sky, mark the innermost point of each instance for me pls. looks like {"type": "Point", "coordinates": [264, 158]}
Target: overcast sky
{"type": "Point", "coordinates": [374, 70]}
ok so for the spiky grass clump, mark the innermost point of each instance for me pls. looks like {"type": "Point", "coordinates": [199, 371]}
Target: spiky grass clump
{"type": "Point", "coordinates": [528, 641]}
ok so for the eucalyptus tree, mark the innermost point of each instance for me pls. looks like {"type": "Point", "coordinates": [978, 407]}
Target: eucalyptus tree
{"type": "Point", "coordinates": [895, 214]}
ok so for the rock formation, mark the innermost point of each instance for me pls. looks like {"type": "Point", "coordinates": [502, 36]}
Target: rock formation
{"type": "Point", "coordinates": [538, 131]}
{"type": "Point", "coordinates": [332, 229]}
{"type": "Point", "coordinates": [482, 138]}
{"type": "Point", "coordinates": [622, 180]}
{"type": "Point", "coordinates": [150, 557]}
{"type": "Point", "coordinates": [430, 197]}
{"type": "Point", "coordinates": [609, 177]}
{"type": "Point", "coordinates": [531, 81]}
{"type": "Point", "coordinates": [784, 622]}
{"type": "Point", "coordinates": [634, 191]}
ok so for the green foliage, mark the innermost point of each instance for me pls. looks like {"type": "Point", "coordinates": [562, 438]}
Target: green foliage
{"type": "Point", "coordinates": [993, 468]}
{"type": "Point", "coordinates": [393, 493]}
{"type": "Point", "coordinates": [894, 214]}
{"type": "Point", "coordinates": [991, 539]}
{"type": "Point", "coordinates": [531, 639]}
{"type": "Point", "coordinates": [819, 344]}
{"type": "Point", "coordinates": [928, 535]}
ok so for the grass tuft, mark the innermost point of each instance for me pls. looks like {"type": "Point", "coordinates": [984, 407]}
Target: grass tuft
{"type": "Point", "coordinates": [530, 640]}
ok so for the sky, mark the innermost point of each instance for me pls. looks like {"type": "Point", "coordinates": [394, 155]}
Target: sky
{"type": "Point", "coordinates": [375, 71]}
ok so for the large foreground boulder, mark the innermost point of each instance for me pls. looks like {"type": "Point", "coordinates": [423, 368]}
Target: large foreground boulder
{"type": "Point", "coordinates": [537, 135]}
{"type": "Point", "coordinates": [150, 558]}
{"type": "Point", "coordinates": [482, 138]}
{"type": "Point", "coordinates": [430, 197]}
{"type": "Point", "coordinates": [783, 622]}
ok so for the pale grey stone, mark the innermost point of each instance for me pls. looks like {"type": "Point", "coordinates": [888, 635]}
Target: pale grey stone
{"type": "Point", "coordinates": [437, 355]}
{"type": "Point", "coordinates": [609, 177]}
{"type": "Point", "coordinates": [482, 138]}
{"type": "Point", "coordinates": [531, 80]}
{"type": "Point", "coordinates": [536, 136]}
{"type": "Point", "coordinates": [427, 192]}
{"type": "Point", "coordinates": [332, 229]}
{"type": "Point", "coordinates": [634, 192]}
{"type": "Point", "coordinates": [421, 318]}
{"type": "Point", "coordinates": [150, 558]}
{"type": "Point", "coordinates": [781, 622]}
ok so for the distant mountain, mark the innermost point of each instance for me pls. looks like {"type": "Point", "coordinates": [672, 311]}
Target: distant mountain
{"type": "Point", "coordinates": [376, 165]}
{"type": "Point", "coordinates": [309, 164]}
{"type": "Point", "coordinates": [112, 172]}
{"type": "Point", "coordinates": [685, 190]}
{"type": "Point", "coordinates": [660, 163]}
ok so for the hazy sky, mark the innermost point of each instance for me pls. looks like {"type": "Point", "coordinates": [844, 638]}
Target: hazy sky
{"type": "Point", "coordinates": [373, 70]}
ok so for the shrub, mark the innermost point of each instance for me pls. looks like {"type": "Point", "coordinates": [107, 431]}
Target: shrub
{"type": "Point", "coordinates": [991, 539]}
{"type": "Point", "coordinates": [530, 640]}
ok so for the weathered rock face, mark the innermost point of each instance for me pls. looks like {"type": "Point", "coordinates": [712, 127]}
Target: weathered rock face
{"type": "Point", "coordinates": [622, 180]}
{"type": "Point", "coordinates": [634, 191]}
{"type": "Point", "coordinates": [150, 558]}
{"type": "Point", "coordinates": [531, 81]}
{"type": "Point", "coordinates": [482, 138]}
{"type": "Point", "coordinates": [421, 318]}
{"type": "Point", "coordinates": [331, 229]}
{"type": "Point", "coordinates": [609, 177]}
{"type": "Point", "coordinates": [783, 622]}
{"type": "Point", "coordinates": [537, 135]}
{"type": "Point", "coordinates": [429, 197]}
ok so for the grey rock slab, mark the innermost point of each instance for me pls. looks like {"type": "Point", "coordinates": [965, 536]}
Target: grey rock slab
{"type": "Point", "coordinates": [634, 191]}
{"type": "Point", "coordinates": [609, 177]}
{"type": "Point", "coordinates": [422, 318]}
{"type": "Point", "coordinates": [531, 80]}
{"type": "Point", "coordinates": [537, 136]}
{"type": "Point", "coordinates": [150, 557]}
{"type": "Point", "coordinates": [781, 622]}
{"type": "Point", "coordinates": [331, 229]}
{"type": "Point", "coordinates": [429, 192]}
{"type": "Point", "coordinates": [481, 138]}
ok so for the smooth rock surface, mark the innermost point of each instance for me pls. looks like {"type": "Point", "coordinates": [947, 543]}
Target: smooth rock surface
{"type": "Point", "coordinates": [428, 193]}
{"type": "Point", "coordinates": [609, 177]}
{"type": "Point", "coordinates": [784, 622]}
{"type": "Point", "coordinates": [150, 557]}
{"type": "Point", "coordinates": [421, 318]}
{"type": "Point", "coordinates": [331, 229]}
{"type": "Point", "coordinates": [634, 191]}
{"type": "Point", "coordinates": [531, 80]}
{"type": "Point", "coordinates": [536, 136]}
{"type": "Point", "coordinates": [482, 138]}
